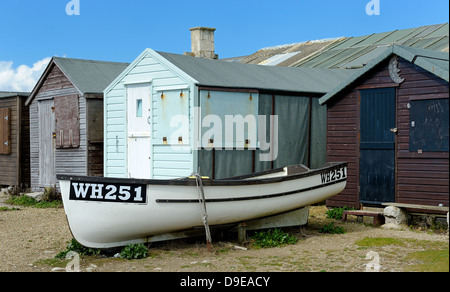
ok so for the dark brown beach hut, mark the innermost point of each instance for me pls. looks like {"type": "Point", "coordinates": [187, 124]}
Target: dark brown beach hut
{"type": "Point", "coordinates": [390, 121]}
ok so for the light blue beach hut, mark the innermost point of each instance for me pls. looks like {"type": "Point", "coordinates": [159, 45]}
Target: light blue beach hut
{"type": "Point", "coordinates": [168, 115]}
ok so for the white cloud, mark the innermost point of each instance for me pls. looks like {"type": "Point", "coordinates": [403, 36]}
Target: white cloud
{"type": "Point", "coordinates": [22, 78]}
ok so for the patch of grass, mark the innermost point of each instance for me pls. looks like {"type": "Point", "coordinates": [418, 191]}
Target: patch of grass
{"type": "Point", "coordinates": [26, 201]}
{"type": "Point", "coordinates": [5, 209]}
{"type": "Point", "coordinates": [378, 241]}
{"type": "Point", "coordinates": [272, 238]}
{"type": "Point", "coordinates": [429, 261]}
{"type": "Point", "coordinates": [53, 263]}
{"type": "Point", "coordinates": [223, 250]}
{"type": "Point", "coordinates": [332, 229]}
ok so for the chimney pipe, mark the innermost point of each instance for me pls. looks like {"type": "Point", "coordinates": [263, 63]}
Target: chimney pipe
{"type": "Point", "coordinates": [202, 43]}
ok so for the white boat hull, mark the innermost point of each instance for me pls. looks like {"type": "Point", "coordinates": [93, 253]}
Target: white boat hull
{"type": "Point", "coordinates": [97, 220]}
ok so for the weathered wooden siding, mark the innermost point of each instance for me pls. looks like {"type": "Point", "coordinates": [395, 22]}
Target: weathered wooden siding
{"type": "Point", "coordinates": [343, 145]}
{"type": "Point", "coordinates": [67, 161]}
{"type": "Point", "coordinates": [162, 79]}
{"type": "Point", "coordinates": [25, 169]}
{"type": "Point", "coordinates": [95, 136]}
{"type": "Point", "coordinates": [14, 167]}
{"type": "Point", "coordinates": [420, 178]}
{"type": "Point", "coordinates": [34, 146]}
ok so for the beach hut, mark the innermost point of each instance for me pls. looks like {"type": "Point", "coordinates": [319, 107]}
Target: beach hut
{"type": "Point", "coordinates": [66, 114]}
{"type": "Point", "coordinates": [14, 139]}
{"type": "Point", "coordinates": [390, 122]}
{"type": "Point", "coordinates": [168, 115]}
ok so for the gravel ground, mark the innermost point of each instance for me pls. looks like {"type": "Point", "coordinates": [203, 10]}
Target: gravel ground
{"type": "Point", "coordinates": [30, 238]}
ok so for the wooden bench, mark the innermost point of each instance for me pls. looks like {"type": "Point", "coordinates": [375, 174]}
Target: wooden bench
{"type": "Point", "coordinates": [378, 217]}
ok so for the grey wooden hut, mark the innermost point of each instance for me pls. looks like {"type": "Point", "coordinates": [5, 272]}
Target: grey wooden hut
{"type": "Point", "coordinates": [66, 114]}
{"type": "Point", "coordinates": [14, 139]}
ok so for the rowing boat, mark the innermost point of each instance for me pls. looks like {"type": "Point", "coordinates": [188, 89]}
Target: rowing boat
{"type": "Point", "coordinates": [110, 212]}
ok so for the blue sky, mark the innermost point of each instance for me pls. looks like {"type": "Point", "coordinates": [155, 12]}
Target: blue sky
{"type": "Point", "coordinates": [32, 31]}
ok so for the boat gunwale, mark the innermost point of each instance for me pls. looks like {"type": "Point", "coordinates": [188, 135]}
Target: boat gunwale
{"type": "Point", "coordinates": [186, 181]}
{"type": "Point", "coordinates": [248, 198]}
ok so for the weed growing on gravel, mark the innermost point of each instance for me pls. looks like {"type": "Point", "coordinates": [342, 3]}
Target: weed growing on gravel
{"type": "Point", "coordinates": [30, 202]}
{"type": "Point", "coordinates": [80, 249]}
{"type": "Point", "coordinates": [134, 252]}
{"type": "Point", "coordinates": [273, 238]}
{"type": "Point", "coordinates": [336, 213]}
{"type": "Point", "coordinates": [332, 229]}
{"type": "Point", "coordinates": [8, 209]}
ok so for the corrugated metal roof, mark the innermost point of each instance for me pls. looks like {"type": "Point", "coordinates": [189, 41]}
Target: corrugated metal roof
{"type": "Point", "coordinates": [433, 61]}
{"type": "Point", "coordinates": [90, 76]}
{"type": "Point", "coordinates": [289, 53]}
{"type": "Point", "coordinates": [355, 52]}
{"type": "Point", "coordinates": [217, 73]}
{"type": "Point", "coordinates": [4, 94]}
{"type": "Point", "coordinates": [277, 59]}
{"type": "Point", "coordinates": [350, 52]}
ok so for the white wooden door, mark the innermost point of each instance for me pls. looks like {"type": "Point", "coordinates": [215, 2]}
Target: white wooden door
{"type": "Point", "coordinates": [139, 131]}
{"type": "Point", "coordinates": [47, 175]}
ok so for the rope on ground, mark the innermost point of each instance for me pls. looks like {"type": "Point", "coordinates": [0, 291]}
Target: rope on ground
{"type": "Point", "coordinates": [202, 201]}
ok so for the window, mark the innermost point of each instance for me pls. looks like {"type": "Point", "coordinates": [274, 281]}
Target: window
{"type": "Point", "coordinates": [139, 108]}
{"type": "Point", "coordinates": [5, 124]}
{"type": "Point", "coordinates": [229, 119]}
{"type": "Point", "coordinates": [428, 129]}
{"type": "Point", "coordinates": [172, 111]}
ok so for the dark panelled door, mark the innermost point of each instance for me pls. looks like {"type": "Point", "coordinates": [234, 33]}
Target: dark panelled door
{"type": "Point", "coordinates": [377, 145]}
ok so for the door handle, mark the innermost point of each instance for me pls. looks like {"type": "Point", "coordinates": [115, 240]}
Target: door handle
{"type": "Point", "coordinates": [394, 130]}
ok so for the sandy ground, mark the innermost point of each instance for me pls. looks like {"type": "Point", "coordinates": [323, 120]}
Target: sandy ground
{"type": "Point", "coordinates": [30, 238]}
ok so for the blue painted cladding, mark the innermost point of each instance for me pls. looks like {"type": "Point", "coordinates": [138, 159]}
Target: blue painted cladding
{"type": "Point", "coordinates": [147, 69]}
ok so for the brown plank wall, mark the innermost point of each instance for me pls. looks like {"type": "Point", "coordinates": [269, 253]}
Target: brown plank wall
{"type": "Point", "coordinates": [420, 178]}
{"type": "Point", "coordinates": [14, 167]}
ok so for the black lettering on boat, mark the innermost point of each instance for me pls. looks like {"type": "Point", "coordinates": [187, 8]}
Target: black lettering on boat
{"type": "Point", "coordinates": [112, 190]}
{"type": "Point", "coordinates": [333, 175]}
{"type": "Point", "coordinates": [118, 193]}
{"type": "Point", "coordinates": [80, 189]}
{"type": "Point", "coordinates": [96, 192]}
{"type": "Point", "coordinates": [323, 177]}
